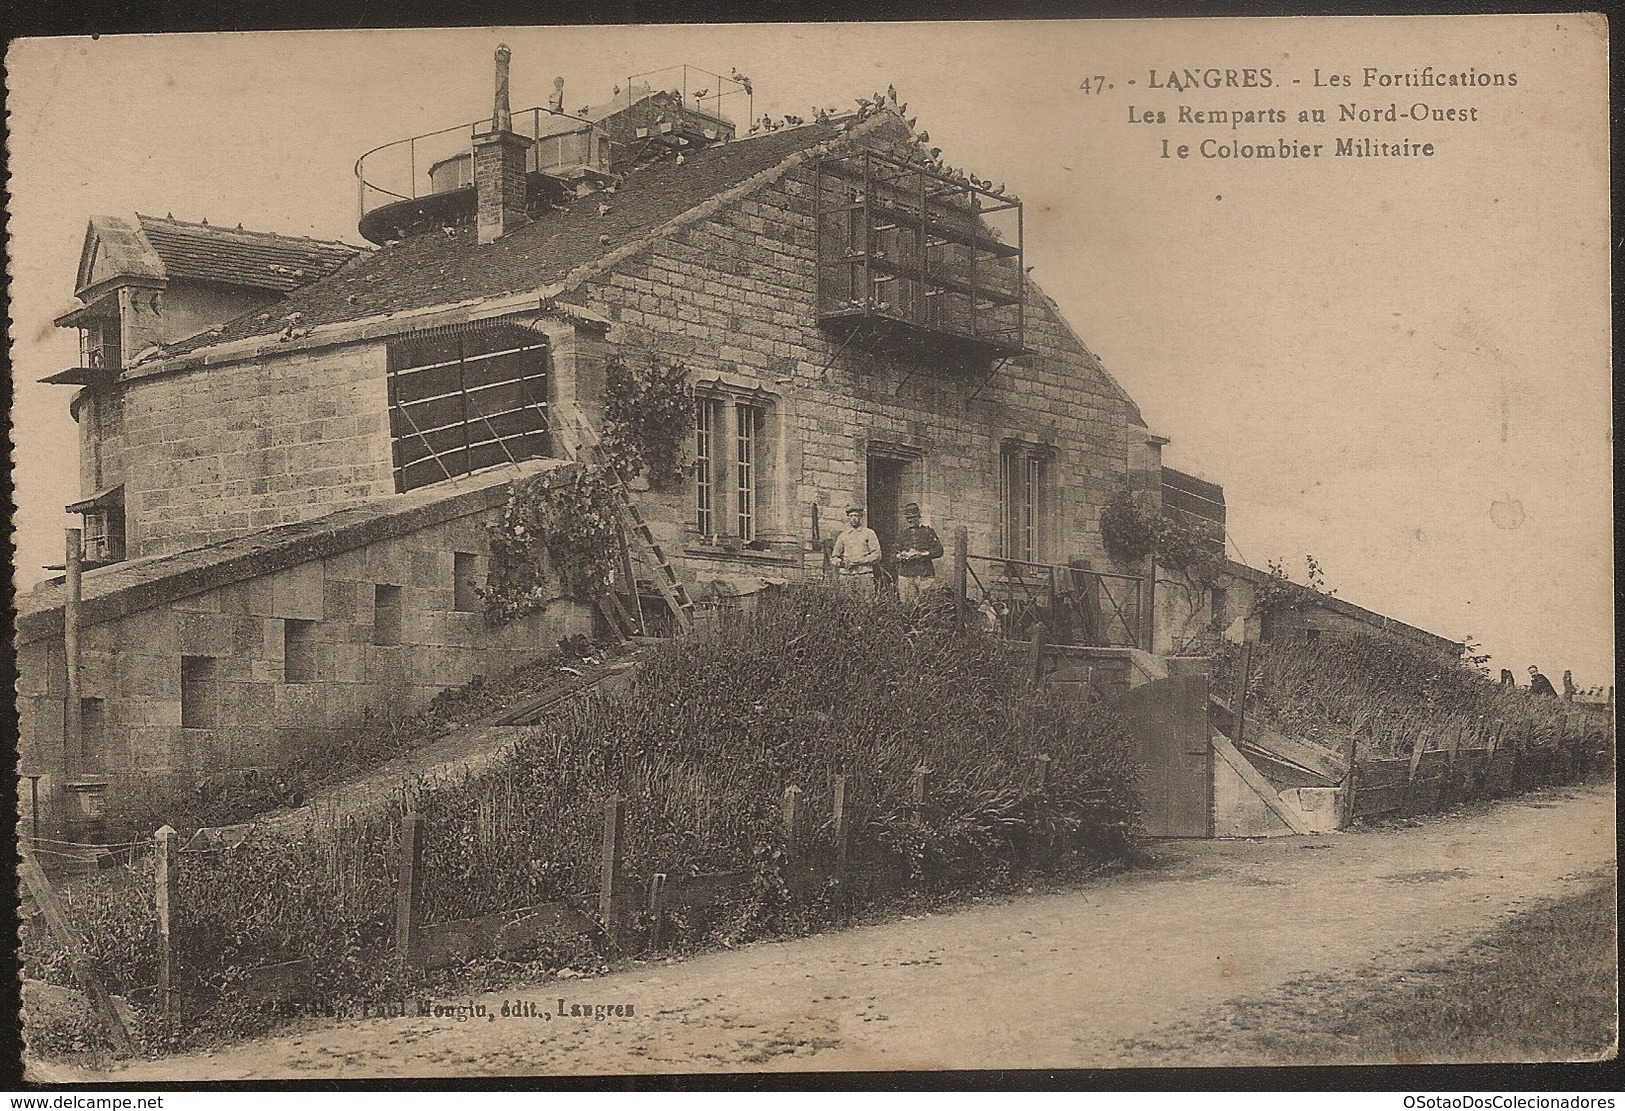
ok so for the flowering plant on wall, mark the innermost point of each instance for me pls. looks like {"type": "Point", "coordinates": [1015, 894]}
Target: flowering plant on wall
{"type": "Point", "coordinates": [1278, 593]}
{"type": "Point", "coordinates": [553, 540]}
{"type": "Point", "coordinates": [648, 417]}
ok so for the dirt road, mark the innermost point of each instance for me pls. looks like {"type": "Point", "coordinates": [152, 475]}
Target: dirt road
{"type": "Point", "coordinates": [1048, 981]}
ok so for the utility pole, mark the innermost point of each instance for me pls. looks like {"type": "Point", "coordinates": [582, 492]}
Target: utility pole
{"type": "Point", "coordinates": [72, 726]}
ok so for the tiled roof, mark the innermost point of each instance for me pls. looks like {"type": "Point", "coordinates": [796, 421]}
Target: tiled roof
{"type": "Point", "coordinates": [451, 266]}
{"type": "Point", "coordinates": [231, 256]}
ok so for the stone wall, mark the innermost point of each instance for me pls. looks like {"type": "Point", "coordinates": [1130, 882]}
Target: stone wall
{"type": "Point", "coordinates": [211, 453]}
{"type": "Point", "coordinates": [241, 606]}
{"type": "Point", "coordinates": [733, 296]}
{"type": "Point", "coordinates": [1327, 614]}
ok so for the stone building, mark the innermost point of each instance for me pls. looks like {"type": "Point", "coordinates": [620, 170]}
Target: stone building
{"type": "Point", "coordinates": [854, 316]}
{"type": "Point", "coordinates": [256, 651]}
{"type": "Point", "coordinates": [925, 368]}
{"type": "Point", "coordinates": [144, 282]}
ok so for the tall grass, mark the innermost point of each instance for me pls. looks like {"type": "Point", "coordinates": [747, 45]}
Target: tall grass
{"type": "Point", "coordinates": [1319, 691]}
{"type": "Point", "coordinates": [702, 745]}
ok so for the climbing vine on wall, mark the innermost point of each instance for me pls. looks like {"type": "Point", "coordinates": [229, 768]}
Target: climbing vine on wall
{"type": "Point", "coordinates": [1278, 593]}
{"type": "Point", "coordinates": [554, 539]}
{"type": "Point", "coordinates": [648, 417]}
{"type": "Point", "coordinates": [1128, 532]}
{"type": "Point", "coordinates": [1131, 533]}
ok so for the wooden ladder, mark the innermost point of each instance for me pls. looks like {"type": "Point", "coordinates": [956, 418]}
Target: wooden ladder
{"type": "Point", "coordinates": [666, 580]}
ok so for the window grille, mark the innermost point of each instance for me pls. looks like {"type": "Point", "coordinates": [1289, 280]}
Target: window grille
{"type": "Point", "coordinates": [749, 418]}
{"type": "Point", "coordinates": [95, 539]}
{"type": "Point", "coordinates": [707, 415]}
{"type": "Point", "coordinates": [1024, 478]}
{"type": "Point", "coordinates": [463, 402]}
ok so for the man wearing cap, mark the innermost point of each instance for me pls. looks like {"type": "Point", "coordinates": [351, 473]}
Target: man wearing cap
{"type": "Point", "coordinates": [916, 548]}
{"type": "Point", "coordinates": [1539, 684]}
{"type": "Point", "coordinates": [856, 554]}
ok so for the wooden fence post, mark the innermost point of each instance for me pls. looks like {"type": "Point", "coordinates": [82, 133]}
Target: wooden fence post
{"type": "Point", "coordinates": [166, 878]}
{"type": "Point", "coordinates": [1577, 755]}
{"type": "Point", "coordinates": [791, 807]}
{"type": "Point", "coordinates": [1244, 672]}
{"type": "Point", "coordinates": [657, 909]}
{"type": "Point", "coordinates": [74, 948]}
{"type": "Point", "coordinates": [610, 862]}
{"type": "Point", "coordinates": [1496, 729]}
{"type": "Point", "coordinates": [1610, 727]}
{"type": "Point", "coordinates": [1351, 753]}
{"type": "Point", "coordinates": [1450, 762]}
{"type": "Point", "coordinates": [408, 886]}
{"type": "Point", "coordinates": [839, 816]}
{"type": "Point", "coordinates": [1035, 653]}
{"type": "Point", "coordinates": [918, 787]}
{"type": "Point", "coordinates": [1417, 747]}
{"type": "Point", "coordinates": [1041, 843]}
{"type": "Point", "coordinates": [1041, 766]}
{"type": "Point", "coordinates": [961, 570]}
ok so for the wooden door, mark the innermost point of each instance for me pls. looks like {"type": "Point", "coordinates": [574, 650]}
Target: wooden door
{"type": "Point", "coordinates": [1167, 719]}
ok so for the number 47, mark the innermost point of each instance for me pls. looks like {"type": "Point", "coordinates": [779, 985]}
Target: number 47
{"type": "Point", "coordinates": [1094, 84]}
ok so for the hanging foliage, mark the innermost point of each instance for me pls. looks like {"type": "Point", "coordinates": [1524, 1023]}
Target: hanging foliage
{"type": "Point", "coordinates": [648, 417]}
{"type": "Point", "coordinates": [553, 540]}
{"type": "Point", "coordinates": [1129, 533]}
{"type": "Point", "coordinates": [1193, 548]}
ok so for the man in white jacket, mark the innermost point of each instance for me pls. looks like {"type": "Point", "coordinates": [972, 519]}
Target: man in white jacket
{"type": "Point", "coordinates": [856, 555]}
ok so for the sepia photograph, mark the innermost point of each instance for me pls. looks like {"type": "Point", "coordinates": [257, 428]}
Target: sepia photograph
{"type": "Point", "coordinates": [994, 545]}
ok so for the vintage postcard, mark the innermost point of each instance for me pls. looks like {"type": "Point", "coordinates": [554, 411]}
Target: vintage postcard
{"type": "Point", "coordinates": [581, 551]}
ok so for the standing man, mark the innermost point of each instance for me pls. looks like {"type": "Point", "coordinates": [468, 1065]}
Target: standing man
{"type": "Point", "coordinates": [1539, 684]}
{"type": "Point", "coordinates": [916, 548]}
{"type": "Point", "coordinates": [856, 555]}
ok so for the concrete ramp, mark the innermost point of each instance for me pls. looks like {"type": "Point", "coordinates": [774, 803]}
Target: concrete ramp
{"type": "Point", "coordinates": [1245, 804]}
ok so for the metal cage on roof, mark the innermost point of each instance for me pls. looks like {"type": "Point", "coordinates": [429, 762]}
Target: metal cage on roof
{"type": "Point", "coordinates": [915, 254]}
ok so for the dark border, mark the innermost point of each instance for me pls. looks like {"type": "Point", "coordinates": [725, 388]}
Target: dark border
{"type": "Point", "coordinates": [97, 17]}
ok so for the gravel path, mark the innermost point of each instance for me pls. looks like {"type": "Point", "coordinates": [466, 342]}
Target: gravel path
{"type": "Point", "coordinates": [1048, 981]}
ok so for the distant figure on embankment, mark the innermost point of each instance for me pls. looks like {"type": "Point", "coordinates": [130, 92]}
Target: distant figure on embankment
{"type": "Point", "coordinates": [1539, 684]}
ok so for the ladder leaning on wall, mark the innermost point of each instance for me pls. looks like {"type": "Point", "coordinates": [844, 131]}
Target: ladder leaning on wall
{"type": "Point", "coordinates": [582, 444]}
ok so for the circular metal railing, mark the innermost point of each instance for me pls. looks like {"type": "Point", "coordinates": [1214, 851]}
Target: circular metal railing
{"type": "Point", "coordinates": [413, 168]}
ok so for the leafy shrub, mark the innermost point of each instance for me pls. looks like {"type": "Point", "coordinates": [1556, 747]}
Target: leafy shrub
{"type": "Point", "coordinates": [1129, 534]}
{"type": "Point", "coordinates": [1188, 544]}
{"type": "Point", "coordinates": [712, 730]}
{"type": "Point", "coordinates": [551, 531]}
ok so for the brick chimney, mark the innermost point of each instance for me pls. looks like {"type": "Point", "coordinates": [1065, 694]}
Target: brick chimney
{"type": "Point", "coordinates": [499, 165]}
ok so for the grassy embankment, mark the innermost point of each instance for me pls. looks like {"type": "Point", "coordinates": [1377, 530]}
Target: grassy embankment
{"type": "Point", "coordinates": [1540, 987]}
{"type": "Point", "coordinates": [702, 745]}
{"type": "Point", "coordinates": [1319, 691]}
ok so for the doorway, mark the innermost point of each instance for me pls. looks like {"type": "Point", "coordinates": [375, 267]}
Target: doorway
{"type": "Point", "coordinates": [889, 485]}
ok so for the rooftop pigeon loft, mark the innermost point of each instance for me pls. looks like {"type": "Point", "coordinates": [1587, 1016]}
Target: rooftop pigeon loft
{"type": "Point", "coordinates": [916, 255]}
{"type": "Point", "coordinates": [425, 183]}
